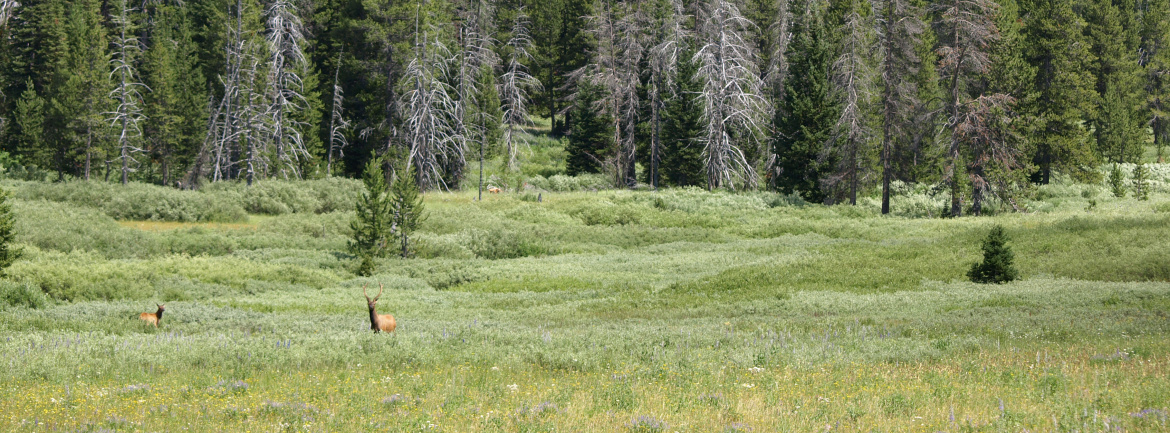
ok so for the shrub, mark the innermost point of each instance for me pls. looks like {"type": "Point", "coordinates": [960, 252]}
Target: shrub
{"type": "Point", "coordinates": [997, 260]}
{"type": "Point", "coordinates": [15, 294]}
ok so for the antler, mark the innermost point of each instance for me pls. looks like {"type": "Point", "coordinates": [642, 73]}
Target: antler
{"type": "Point", "coordinates": [367, 295]}
{"type": "Point", "coordinates": [379, 292]}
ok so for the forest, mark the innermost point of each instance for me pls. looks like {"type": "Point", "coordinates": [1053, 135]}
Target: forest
{"type": "Point", "coordinates": [819, 98]}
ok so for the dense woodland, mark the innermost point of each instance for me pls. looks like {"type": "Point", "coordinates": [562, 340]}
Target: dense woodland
{"type": "Point", "coordinates": [825, 99]}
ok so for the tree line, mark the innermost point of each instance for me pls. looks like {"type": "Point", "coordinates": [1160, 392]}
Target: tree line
{"type": "Point", "coordinates": [822, 98]}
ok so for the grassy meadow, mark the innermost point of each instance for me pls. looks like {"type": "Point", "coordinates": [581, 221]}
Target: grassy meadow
{"type": "Point", "coordinates": [590, 310]}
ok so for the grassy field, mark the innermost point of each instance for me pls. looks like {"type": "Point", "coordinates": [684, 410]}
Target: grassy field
{"type": "Point", "coordinates": [629, 311]}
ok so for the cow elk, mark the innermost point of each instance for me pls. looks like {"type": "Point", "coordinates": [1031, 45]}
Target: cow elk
{"type": "Point", "coordinates": [493, 190]}
{"type": "Point", "coordinates": [378, 322]}
{"type": "Point", "coordinates": [154, 317]}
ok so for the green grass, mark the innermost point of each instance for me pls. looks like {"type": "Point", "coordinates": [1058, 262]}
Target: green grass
{"type": "Point", "coordinates": [679, 310]}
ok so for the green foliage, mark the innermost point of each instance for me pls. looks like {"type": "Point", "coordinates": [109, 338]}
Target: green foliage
{"type": "Point", "coordinates": [682, 128]}
{"type": "Point", "coordinates": [22, 295]}
{"type": "Point", "coordinates": [1117, 181]}
{"type": "Point", "coordinates": [8, 251]}
{"type": "Point", "coordinates": [997, 266]}
{"type": "Point", "coordinates": [1140, 181]}
{"type": "Point", "coordinates": [590, 142]}
{"type": "Point", "coordinates": [804, 119]}
{"type": "Point", "coordinates": [372, 224]}
{"type": "Point", "coordinates": [406, 205]}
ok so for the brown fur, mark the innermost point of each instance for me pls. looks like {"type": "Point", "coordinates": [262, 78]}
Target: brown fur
{"type": "Point", "coordinates": [378, 322]}
{"type": "Point", "coordinates": [154, 317]}
{"type": "Point", "coordinates": [493, 190]}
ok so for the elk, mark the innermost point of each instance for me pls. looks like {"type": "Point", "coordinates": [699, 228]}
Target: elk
{"type": "Point", "coordinates": [154, 317]}
{"type": "Point", "coordinates": [378, 322]}
{"type": "Point", "coordinates": [494, 190]}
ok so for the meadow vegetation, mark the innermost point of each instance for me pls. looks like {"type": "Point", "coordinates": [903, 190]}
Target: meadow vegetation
{"type": "Point", "coordinates": [591, 310]}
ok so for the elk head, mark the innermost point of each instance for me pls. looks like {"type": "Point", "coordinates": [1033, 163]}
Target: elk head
{"type": "Point", "coordinates": [378, 322]}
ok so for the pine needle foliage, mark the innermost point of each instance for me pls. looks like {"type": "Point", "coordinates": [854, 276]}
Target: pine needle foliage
{"type": "Point", "coordinates": [407, 205]}
{"type": "Point", "coordinates": [8, 253]}
{"type": "Point", "coordinates": [997, 264]}
{"type": "Point", "coordinates": [371, 225]}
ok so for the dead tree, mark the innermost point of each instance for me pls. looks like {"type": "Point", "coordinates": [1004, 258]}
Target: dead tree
{"type": "Point", "coordinates": [732, 96]}
{"type": "Point", "coordinates": [614, 68]}
{"type": "Point", "coordinates": [670, 37]}
{"type": "Point", "coordinates": [429, 124]}
{"type": "Point", "coordinates": [852, 77]}
{"type": "Point", "coordinates": [127, 90]}
{"type": "Point", "coordinates": [286, 64]}
{"type": "Point", "coordinates": [967, 30]}
{"type": "Point", "coordinates": [515, 85]}
{"type": "Point", "coordinates": [338, 124]}
{"type": "Point", "coordinates": [899, 33]}
{"type": "Point", "coordinates": [477, 54]}
{"type": "Point", "coordinates": [7, 11]}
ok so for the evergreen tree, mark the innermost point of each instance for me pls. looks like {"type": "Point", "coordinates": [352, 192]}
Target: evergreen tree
{"type": "Point", "coordinates": [997, 264]}
{"type": "Point", "coordinates": [1058, 49]}
{"type": "Point", "coordinates": [591, 139]}
{"type": "Point", "coordinates": [407, 206]}
{"type": "Point", "coordinates": [28, 126]}
{"type": "Point", "coordinates": [1117, 124]}
{"type": "Point", "coordinates": [901, 30]}
{"type": "Point", "coordinates": [1155, 49]}
{"type": "Point", "coordinates": [1141, 182]}
{"type": "Point", "coordinates": [1117, 181]}
{"type": "Point", "coordinates": [80, 99]}
{"type": "Point", "coordinates": [682, 129]}
{"type": "Point", "coordinates": [805, 119]}
{"type": "Point", "coordinates": [373, 223]}
{"type": "Point", "coordinates": [8, 252]}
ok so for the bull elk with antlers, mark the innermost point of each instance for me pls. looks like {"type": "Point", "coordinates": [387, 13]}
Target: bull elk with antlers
{"type": "Point", "coordinates": [378, 322]}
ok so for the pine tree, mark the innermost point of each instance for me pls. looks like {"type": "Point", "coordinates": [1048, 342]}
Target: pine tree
{"type": "Point", "coordinates": [407, 206]}
{"type": "Point", "coordinates": [8, 252]}
{"type": "Point", "coordinates": [901, 29]}
{"type": "Point", "coordinates": [682, 129]}
{"type": "Point", "coordinates": [1155, 49]}
{"type": "Point", "coordinates": [80, 98]}
{"type": "Point", "coordinates": [591, 139]}
{"type": "Point", "coordinates": [853, 79]}
{"type": "Point", "coordinates": [1117, 124]}
{"type": "Point", "coordinates": [1057, 47]}
{"type": "Point", "coordinates": [997, 264]}
{"type": "Point", "coordinates": [1141, 182]}
{"type": "Point", "coordinates": [1117, 181]}
{"type": "Point", "coordinates": [29, 125]}
{"type": "Point", "coordinates": [373, 223]}
{"type": "Point", "coordinates": [806, 116]}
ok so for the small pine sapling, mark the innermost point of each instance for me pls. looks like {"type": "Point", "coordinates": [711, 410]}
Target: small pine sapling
{"type": "Point", "coordinates": [8, 253]}
{"type": "Point", "coordinates": [371, 224]}
{"type": "Point", "coordinates": [407, 205]}
{"type": "Point", "coordinates": [1117, 181]}
{"type": "Point", "coordinates": [1141, 182]}
{"type": "Point", "coordinates": [997, 260]}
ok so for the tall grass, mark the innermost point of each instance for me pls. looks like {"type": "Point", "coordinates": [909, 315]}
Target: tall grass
{"type": "Point", "coordinates": [607, 310]}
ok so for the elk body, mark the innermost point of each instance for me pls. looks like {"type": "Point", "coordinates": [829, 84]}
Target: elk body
{"type": "Point", "coordinates": [154, 317]}
{"type": "Point", "coordinates": [493, 190]}
{"type": "Point", "coordinates": [378, 322]}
